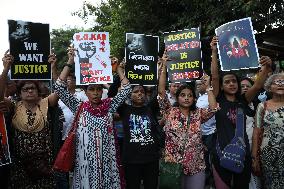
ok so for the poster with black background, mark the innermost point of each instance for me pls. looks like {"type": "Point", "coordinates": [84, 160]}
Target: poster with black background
{"type": "Point", "coordinates": [141, 55]}
{"type": "Point", "coordinates": [30, 46]}
{"type": "Point", "coordinates": [237, 46]}
{"type": "Point", "coordinates": [184, 50]}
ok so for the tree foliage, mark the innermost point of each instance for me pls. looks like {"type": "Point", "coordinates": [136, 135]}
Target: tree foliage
{"type": "Point", "coordinates": [60, 41]}
{"type": "Point", "coordinates": [157, 16]}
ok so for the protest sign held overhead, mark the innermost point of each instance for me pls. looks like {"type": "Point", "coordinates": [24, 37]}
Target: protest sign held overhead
{"type": "Point", "coordinates": [141, 55]}
{"type": "Point", "coordinates": [4, 145]}
{"type": "Point", "coordinates": [92, 60]}
{"type": "Point", "coordinates": [237, 47]}
{"type": "Point", "coordinates": [30, 46]}
{"type": "Point", "coordinates": [184, 50]}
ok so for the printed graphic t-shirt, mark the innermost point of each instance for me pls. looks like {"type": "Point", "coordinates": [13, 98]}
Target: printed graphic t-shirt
{"type": "Point", "coordinates": [139, 144]}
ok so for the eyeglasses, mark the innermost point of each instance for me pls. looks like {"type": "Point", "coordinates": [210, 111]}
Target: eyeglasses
{"type": "Point", "coordinates": [26, 89]}
{"type": "Point", "coordinates": [278, 82]}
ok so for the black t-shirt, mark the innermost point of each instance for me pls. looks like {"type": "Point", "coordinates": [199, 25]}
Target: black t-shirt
{"type": "Point", "coordinates": [139, 144]}
{"type": "Point", "coordinates": [226, 125]}
{"type": "Point", "coordinates": [226, 119]}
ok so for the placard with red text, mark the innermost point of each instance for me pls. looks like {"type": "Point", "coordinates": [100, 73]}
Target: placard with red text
{"type": "Point", "coordinates": [92, 62]}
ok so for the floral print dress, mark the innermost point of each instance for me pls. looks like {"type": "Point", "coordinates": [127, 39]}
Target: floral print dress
{"type": "Point", "coordinates": [272, 147]}
{"type": "Point", "coordinates": [183, 143]}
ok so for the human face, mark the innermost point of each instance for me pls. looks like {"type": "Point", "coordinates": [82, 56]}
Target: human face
{"type": "Point", "coordinates": [198, 86]}
{"type": "Point", "coordinates": [277, 86]}
{"type": "Point", "coordinates": [29, 92]}
{"type": "Point", "coordinates": [94, 94]}
{"type": "Point", "coordinates": [11, 88]}
{"type": "Point", "coordinates": [204, 83]}
{"type": "Point", "coordinates": [22, 31]}
{"type": "Point", "coordinates": [185, 98]}
{"type": "Point", "coordinates": [138, 96]}
{"type": "Point", "coordinates": [230, 84]}
{"type": "Point", "coordinates": [173, 88]}
{"type": "Point", "coordinates": [245, 85]}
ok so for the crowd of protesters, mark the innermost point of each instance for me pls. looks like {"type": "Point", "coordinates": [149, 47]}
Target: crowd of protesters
{"type": "Point", "coordinates": [122, 138]}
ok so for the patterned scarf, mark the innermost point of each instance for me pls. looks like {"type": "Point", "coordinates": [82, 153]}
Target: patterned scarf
{"type": "Point", "coordinates": [100, 110]}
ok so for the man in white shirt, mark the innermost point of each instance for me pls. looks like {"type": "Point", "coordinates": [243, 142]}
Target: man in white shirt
{"type": "Point", "coordinates": [208, 128]}
{"type": "Point", "coordinates": [173, 87]}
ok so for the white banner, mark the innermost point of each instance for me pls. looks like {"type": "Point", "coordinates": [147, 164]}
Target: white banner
{"type": "Point", "coordinates": [92, 62]}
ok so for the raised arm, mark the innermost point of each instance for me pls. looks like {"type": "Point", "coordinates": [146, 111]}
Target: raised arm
{"type": "Point", "coordinates": [5, 104]}
{"type": "Point", "coordinates": [53, 97]}
{"type": "Point", "coordinates": [67, 68]}
{"type": "Point", "coordinates": [209, 89]}
{"type": "Point", "coordinates": [53, 60]}
{"type": "Point", "coordinates": [265, 63]}
{"type": "Point", "coordinates": [121, 73]}
{"type": "Point", "coordinates": [162, 75]}
{"type": "Point", "coordinates": [61, 87]}
{"type": "Point", "coordinates": [125, 88]}
{"type": "Point", "coordinates": [7, 62]}
{"type": "Point", "coordinates": [214, 67]}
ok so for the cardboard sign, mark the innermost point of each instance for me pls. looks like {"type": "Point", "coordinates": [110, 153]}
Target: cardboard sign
{"type": "Point", "coordinates": [184, 50]}
{"type": "Point", "coordinates": [92, 62]}
{"type": "Point", "coordinates": [237, 47]}
{"type": "Point", "coordinates": [141, 55]}
{"type": "Point", "coordinates": [30, 46]}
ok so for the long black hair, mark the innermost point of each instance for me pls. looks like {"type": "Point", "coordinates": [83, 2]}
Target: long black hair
{"type": "Point", "coordinates": [186, 86]}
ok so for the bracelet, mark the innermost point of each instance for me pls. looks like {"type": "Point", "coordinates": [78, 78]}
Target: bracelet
{"type": "Point", "coordinates": [122, 78]}
{"type": "Point", "coordinates": [68, 65]}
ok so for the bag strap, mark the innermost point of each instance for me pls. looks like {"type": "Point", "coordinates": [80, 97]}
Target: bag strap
{"type": "Point", "coordinates": [74, 124]}
{"type": "Point", "coordinates": [240, 123]}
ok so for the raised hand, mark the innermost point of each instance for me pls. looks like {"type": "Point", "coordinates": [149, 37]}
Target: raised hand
{"type": "Point", "coordinates": [52, 59]}
{"type": "Point", "coordinates": [121, 72]}
{"type": "Point", "coordinates": [121, 67]}
{"type": "Point", "coordinates": [265, 61]}
{"type": "Point", "coordinates": [206, 80]}
{"type": "Point", "coordinates": [165, 57]}
{"type": "Point", "coordinates": [213, 43]}
{"type": "Point", "coordinates": [7, 60]}
{"type": "Point", "coordinates": [71, 54]}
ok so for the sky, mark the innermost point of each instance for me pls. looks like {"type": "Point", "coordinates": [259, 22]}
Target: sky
{"type": "Point", "coordinates": [57, 13]}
